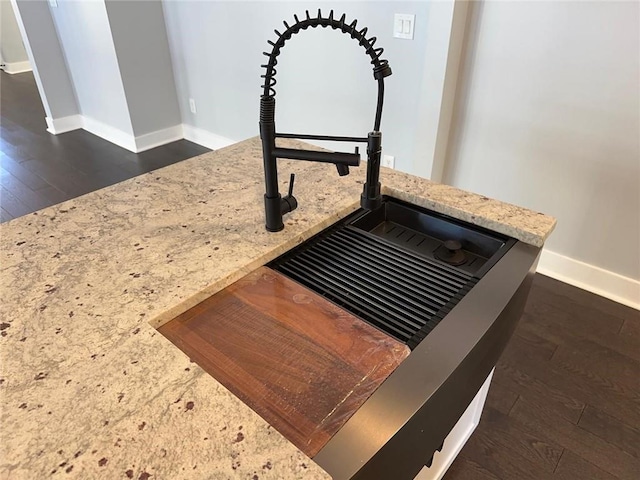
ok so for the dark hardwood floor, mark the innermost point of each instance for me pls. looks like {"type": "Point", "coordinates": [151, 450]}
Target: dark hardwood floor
{"type": "Point", "coordinates": [38, 169]}
{"type": "Point", "coordinates": [565, 398]}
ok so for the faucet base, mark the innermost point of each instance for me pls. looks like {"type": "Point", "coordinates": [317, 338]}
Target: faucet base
{"type": "Point", "coordinates": [370, 203]}
{"type": "Point", "coordinates": [275, 207]}
{"type": "Point", "coordinates": [273, 213]}
{"type": "Point", "coordinates": [371, 198]}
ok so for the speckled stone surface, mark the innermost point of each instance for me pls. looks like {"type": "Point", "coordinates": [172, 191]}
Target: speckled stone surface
{"type": "Point", "coordinates": [88, 388]}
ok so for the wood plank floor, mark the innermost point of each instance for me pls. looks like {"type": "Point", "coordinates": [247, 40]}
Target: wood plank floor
{"type": "Point", "coordinates": [565, 398]}
{"type": "Point", "coordinates": [38, 169]}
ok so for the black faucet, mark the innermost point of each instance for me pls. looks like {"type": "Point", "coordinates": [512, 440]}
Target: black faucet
{"type": "Point", "coordinates": [276, 205]}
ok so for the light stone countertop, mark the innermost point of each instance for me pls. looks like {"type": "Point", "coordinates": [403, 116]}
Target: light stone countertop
{"type": "Point", "coordinates": [89, 388]}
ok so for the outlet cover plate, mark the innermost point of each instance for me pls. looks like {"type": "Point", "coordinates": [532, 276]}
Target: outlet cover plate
{"type": "Point", "coordinates": [403, 25]}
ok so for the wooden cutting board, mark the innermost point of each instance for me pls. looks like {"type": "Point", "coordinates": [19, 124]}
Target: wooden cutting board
{"type": "Point", "coordinates": [299, 361]}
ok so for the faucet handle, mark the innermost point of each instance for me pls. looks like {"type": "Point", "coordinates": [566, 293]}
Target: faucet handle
{"type": "Point", "coordinates": [291, 180]}
{"type": "Point", "coordinates": [289, 203]}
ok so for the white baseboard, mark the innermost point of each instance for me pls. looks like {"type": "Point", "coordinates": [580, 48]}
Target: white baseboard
{"type": "Point", "coordinates": [109, 133]}
{"type": "Point", "coordinates": [588, 277]}
{"type": "Point", "coordinates": [205, 138]}
{"type": "Point", "coordinates": [64, 124]}
{"type": "Point", "coordinates": [158, 138]}
{"type": "Point", "coordinates": [134, 144]}
{"type": "Point", "coordinates": [142, 142]}
{"type": "Point", "coordinates": [17, 67]}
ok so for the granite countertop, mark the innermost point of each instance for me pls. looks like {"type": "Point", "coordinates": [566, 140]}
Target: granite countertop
{"type": "Point", "coordinates": [89, 388]}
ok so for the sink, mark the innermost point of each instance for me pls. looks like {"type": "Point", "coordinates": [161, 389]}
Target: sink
{"type": "Point", "coordinates": [401, 268]}
{"type": "Point", "coordinates": [389, 321]}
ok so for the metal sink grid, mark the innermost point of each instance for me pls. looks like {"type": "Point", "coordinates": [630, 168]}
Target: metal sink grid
{"type": "Point", "coordinates": [386, 281]}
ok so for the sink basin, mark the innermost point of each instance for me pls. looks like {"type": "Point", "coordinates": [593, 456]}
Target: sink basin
{"type": "Point", "coordinates": [424, 233]}
{"type": "Point", "coordinates": [391, 267]}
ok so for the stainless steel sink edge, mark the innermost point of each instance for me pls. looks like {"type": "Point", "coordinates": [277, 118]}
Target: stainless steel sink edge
{"type": "Point", "coordinates": [395, 432]}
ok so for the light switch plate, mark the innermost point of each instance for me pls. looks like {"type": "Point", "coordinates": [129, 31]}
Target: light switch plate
{"type": "Point", "coordinates": [403, 25]}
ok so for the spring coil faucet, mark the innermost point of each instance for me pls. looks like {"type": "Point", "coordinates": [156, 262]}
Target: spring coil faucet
{"type": "Point", "coordinates": [276, 205]}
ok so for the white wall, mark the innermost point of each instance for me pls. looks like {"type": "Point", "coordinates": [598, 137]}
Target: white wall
{"type": "Point", "coordinates": [46, 58]}
{"type": "Point", "coordinates": [325, 80]}
{"type": "Point", "coordinates": [549, 118]}
{"type": "Point", "coordinates": [11, 47]}
{"type": "Point", "coordinates": [85, 36]}
{"type": "Point", "coordinates": [142, 51]}
{"type": "Point", "coordinates": [446, 29]}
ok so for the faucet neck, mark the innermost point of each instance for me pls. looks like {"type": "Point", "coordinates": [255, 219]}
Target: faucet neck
{"type": "Point", "coordinates": [268, 137]}
{"type": "Point", "coordinates": [274, 205]}
{"type": "Point", "coordinates": [381, 68]}
{"type": "Point", "coordinates": [371, 197]}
